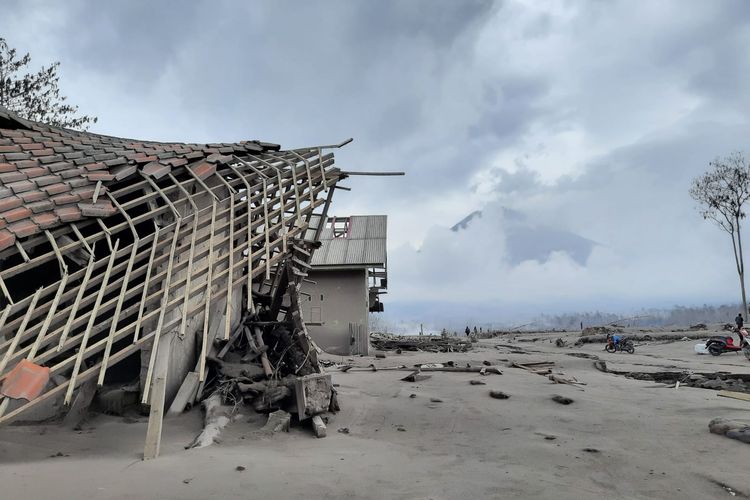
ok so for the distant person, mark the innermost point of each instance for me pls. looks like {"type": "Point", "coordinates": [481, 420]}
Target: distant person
{"type": "Point", "coordinates": [615, 340]}
{"type": "Point", "coordinates": [467, 331]}
{"type": "Point", "coordinates": [740, 323]}
{"type": "Point", "coordinates": [475, 330]}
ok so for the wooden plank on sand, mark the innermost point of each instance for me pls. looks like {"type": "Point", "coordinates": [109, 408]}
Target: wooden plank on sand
{"type": "Point", "coordinates": [735, 395]}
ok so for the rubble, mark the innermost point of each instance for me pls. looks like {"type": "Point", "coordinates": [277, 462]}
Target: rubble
{"type": "Point", "coordinates": [278, 421]}
{"type": "Point", "coordinates": [599, 330]}
{"type": "Point", "coordinates": [734, 382]}
{"type": "Point", "coordinates": [732, 429]}
{"type": "Point", "coordinates": [561, 399]}
{"type": "Point", "coordinates": [428, 343]}
{"type": "Point", "coordinates": [273, 368]}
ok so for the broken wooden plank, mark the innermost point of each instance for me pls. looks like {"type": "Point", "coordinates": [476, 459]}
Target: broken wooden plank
{"type": "Point", "coordinates": [155, 419]}
{"type": "Point", "coordinates": [185, 394]}
{"type": "Point", "coordinates": [464, 369]}
{"type": "Point", "coordinates": [537, 363]}
{"type": "Point", "coordinates": [562, 380]}
{"type": "Point", "coordinates": [263, 356]}
{"type": "Point", "coordinates": [228, 345]}
{"type": "Point", "coordinates": [742, 396]}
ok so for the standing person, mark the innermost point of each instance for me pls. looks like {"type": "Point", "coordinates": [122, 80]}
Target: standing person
{"type": "Point", "coordinates": [467, 331]}
{"type": "Point", "coordinates": [740, 323]}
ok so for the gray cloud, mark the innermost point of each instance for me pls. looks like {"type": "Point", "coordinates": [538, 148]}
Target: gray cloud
{"type": "Point", "coordinates": [589, 119]}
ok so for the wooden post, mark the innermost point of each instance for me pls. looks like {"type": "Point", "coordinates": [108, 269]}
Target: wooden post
{"type": "Point", "coordinates": [155, 419]}
{"type": "Point", "coordinates": [158, 396]}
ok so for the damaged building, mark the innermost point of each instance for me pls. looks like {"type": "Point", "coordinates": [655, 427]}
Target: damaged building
{"type": "Point", "coordinates": [348, 276]}
{"type": "Point", "coordinates": [146, 265]}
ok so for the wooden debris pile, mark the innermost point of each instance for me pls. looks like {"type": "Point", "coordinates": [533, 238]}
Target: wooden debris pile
{"type": "Point", "coordinates": [269, 362]}
{"type": "Point", "coordinates": [600, 330]}
{"type": "Point", "coordinates": [428, 343]}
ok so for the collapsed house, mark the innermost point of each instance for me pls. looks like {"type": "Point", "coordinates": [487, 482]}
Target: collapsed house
{"type": "Point", "coordinates": [144, 263]}
{"type": "Point", "coordinates": [348, 275]}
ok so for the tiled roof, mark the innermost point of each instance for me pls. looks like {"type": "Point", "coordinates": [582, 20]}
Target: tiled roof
{"type": "Point", "coordinates": [48, 175]}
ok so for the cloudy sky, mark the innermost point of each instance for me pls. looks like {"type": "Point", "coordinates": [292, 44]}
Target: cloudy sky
{"type": "Point", "coordinates": [574, 127]}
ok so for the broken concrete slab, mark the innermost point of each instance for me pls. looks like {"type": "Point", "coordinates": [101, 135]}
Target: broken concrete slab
{"type": "Point", "coordinates": [319, 427]}
{"type": "Point", "coordinates": [278, 421]}
{"type": "Point", "coordinates": [313, 393]}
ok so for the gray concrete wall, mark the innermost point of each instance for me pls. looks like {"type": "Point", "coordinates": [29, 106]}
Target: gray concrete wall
{"type": "Point", "coordinates": [338, 298]}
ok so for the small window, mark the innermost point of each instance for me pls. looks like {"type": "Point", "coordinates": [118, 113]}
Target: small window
{"type": "Point", "coordinates": [321, 297]}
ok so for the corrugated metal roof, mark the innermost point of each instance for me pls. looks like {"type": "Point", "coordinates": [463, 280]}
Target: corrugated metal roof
{"type": "Point", "coordinates": [364, 245]}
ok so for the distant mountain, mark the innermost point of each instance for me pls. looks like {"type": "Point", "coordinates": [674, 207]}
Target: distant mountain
{"type": "Point", "coordinates": [526, 241]}
{"type": "Point", "coordinates": [464, 223]}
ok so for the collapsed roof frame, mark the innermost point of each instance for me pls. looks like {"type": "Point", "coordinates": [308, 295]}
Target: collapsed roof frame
{"type": "Point", "coordinates": [260, 204]}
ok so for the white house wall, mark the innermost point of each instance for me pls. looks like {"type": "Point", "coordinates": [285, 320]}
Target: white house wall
{"type": "Point", "coordinates": [338, 298]}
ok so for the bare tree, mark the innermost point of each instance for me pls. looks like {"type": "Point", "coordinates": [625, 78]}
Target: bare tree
{"type": "Point", "coordinates": [722, 193]}
{"type": "Point", "coordinates": [36, 96]}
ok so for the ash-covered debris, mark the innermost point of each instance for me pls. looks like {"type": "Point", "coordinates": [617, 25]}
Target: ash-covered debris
{"type": "Point", "coordinates": [428, 343]}
{"type": "Point", "coordinates": [270, 364]}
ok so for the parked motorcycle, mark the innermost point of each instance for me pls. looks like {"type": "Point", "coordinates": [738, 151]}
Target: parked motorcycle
{"type": "Point", "coordinates": [623, 345]}
{"type": "Point", "coordinates": [719, 344]}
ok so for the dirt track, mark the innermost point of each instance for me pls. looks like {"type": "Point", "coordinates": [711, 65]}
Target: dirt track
{"type": "Point", "coordinates": [620, 438]}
